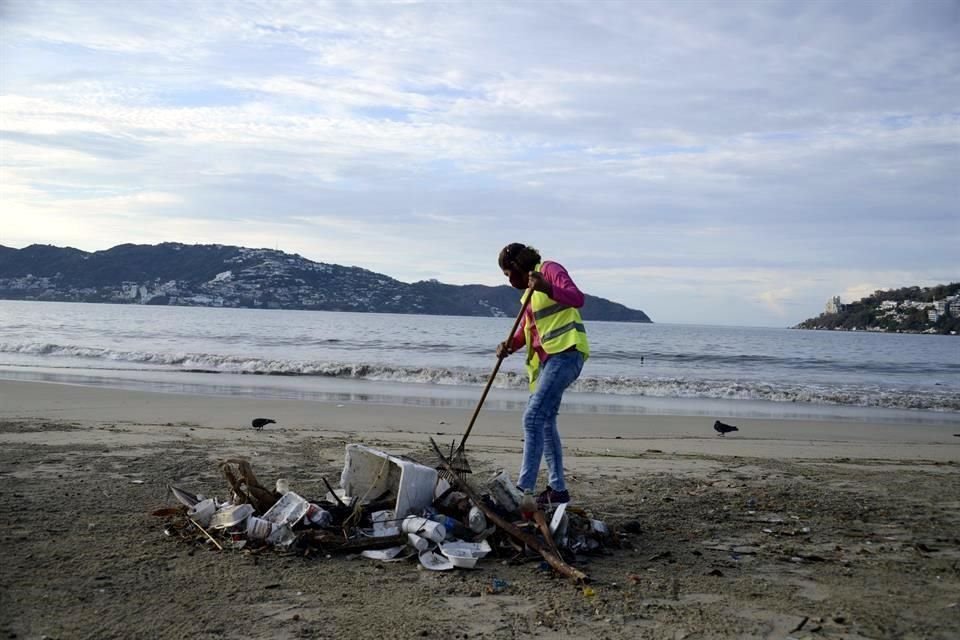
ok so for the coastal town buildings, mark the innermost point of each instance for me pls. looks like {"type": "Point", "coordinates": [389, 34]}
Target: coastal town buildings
{"type": "Point", "coordinates": [924, 316]}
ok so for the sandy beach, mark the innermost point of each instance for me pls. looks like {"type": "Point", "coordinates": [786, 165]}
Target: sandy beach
{"type": "Point", "coordinates": [788, 528]}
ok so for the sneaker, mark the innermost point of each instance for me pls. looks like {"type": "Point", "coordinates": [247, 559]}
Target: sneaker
{"type": "Point", "coordinates": [550, 496]}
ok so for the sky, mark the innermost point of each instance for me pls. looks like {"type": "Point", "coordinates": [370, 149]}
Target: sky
{"type": "Point", "coordinates": [730, 163]}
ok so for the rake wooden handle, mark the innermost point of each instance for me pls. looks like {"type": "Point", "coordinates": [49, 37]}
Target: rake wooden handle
{"type": "Point", "coordinates": [496, 368]}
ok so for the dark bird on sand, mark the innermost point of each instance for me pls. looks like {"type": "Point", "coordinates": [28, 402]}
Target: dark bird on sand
{"type": "Point", "coordinates": [260, 423]}
{"type": "Point", "coordinates": [723, 429]}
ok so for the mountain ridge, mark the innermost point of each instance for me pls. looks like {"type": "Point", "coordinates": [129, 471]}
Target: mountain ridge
{"type": "Point", "coordinates": [219, 275]}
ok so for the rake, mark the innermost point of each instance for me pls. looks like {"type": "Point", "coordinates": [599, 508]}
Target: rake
{"type": "Point", "coordinates": [458, 458]}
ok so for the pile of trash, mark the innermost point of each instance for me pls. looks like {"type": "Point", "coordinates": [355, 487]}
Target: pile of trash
{"type": "Point", "coordinates": [390, 508]}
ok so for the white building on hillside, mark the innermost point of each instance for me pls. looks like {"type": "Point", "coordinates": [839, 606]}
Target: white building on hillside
{"type": "Point", "coordinates": [833, 305]}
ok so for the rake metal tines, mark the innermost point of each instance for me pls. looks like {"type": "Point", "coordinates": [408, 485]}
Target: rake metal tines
{"type": "Point", "coordinates": [453, 467]}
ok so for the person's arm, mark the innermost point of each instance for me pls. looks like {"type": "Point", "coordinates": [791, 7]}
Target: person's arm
{"type": "Point", "coordinates": [561, 286]}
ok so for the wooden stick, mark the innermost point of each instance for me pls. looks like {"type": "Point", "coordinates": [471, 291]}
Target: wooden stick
{"type": "Point", "coordinates": [541, 520]}
{"type": "Point", "coordinates": [552, 558]}
{"type": "Point", "coordinates": [212, 539]}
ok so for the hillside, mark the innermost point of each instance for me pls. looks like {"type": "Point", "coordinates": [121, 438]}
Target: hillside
{"type": "Point", "coordinates": [229, 276]}
{"type": "Point", "coordinates": [907, 310]}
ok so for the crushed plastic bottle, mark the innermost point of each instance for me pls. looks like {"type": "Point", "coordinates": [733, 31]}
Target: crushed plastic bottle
{"type": "Point", "coordinates": [282, 536]}
{"type": "Point", "coordinates": [476, 520]}
{"type": "Point", "coordinates": [504, 492]}
{"type": "Point", "coordinates": [318, 516]}
{"type": "Point", "coordinates": [452, 526]}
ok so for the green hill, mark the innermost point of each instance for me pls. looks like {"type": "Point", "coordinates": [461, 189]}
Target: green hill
{"type": "Point", "coordinates": [907, 310]}
{"type": "Point", "coordinates": [216, 275]}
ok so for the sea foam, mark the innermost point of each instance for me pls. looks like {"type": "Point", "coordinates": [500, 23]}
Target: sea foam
{"type": "Point", "coordinates": [640, 385]}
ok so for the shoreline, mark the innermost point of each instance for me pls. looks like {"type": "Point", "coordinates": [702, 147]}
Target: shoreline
{"type": "Point", "coordinates": [152, 417]}
{"type": "Point", "coordinates": [455, 396]}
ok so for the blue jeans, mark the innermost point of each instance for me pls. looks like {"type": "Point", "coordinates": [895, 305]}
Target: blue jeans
{"type": "Point", "coordinates": [541, 438]}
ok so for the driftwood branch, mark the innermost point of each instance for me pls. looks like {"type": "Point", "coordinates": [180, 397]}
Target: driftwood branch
{"type": "Point", "coordinates": [245, 484]}
{"type": "Point", "coordinates": [553, 559]}
{"type": "Point", "coordinates": [541, 520]}
{"type": "Point", "coordinates": [212, 539]}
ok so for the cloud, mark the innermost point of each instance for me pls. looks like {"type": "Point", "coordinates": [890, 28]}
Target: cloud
{"type": "Point", "coordinates": [756, 158]}
{"type": "Point", "coordinates": [775, 299]}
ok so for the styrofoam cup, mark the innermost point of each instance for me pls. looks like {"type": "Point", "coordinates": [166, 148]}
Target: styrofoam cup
{"type": "Point", "coordinates": [418, 543]}
{"type": "Point", "coordinates": [425, 528]}
{"type": "Point", "coordinates": [258, 528]}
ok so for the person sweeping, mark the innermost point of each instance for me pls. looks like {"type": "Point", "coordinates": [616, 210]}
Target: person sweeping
{"type": "Point", "coordinates": [556, 348]}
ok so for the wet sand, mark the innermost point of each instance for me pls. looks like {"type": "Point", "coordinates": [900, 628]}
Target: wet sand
{"type": "Point", "coordinates": [786, 528]}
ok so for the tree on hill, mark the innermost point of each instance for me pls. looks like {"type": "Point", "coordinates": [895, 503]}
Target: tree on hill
{"type": "Point", "coordinates": [866, 314]}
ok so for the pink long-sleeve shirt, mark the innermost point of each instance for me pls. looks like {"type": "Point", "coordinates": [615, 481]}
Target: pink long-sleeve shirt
{"type": "Point", "coordinates": [565, 292]}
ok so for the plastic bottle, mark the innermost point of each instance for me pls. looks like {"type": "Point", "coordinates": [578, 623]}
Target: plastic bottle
{"type": "Point", "coordinates": [478, 521]}
{"type": "Point", "coordinates": [319, 516]}
{"type": "Point", "coordinates": [453, 526]}
{"type": "Point", "coordinates": [504, 492]}
{"type": "Point", "coordinates": [528, 504]}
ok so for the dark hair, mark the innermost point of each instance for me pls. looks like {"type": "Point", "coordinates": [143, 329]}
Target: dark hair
{"type": "Point", "coordinates": [518, 257]}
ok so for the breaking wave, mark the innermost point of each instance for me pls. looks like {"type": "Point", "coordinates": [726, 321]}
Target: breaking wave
{"type": "Point", "coordinates": [647, 386]}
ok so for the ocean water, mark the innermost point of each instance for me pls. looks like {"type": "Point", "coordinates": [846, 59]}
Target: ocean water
{"type": "Point", "coordinates": [443, 360]}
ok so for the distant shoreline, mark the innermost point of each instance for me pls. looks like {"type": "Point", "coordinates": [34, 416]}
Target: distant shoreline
{"type": "Point", "coordinates": [266, 308]}
{"type": "Point", "coordinates": [875, 330]}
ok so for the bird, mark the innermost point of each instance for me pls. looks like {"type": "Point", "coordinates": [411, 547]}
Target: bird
{"type": "Point", "coordinates": [260, 423]}
{"type": "Point", "coordinates": [723, 429]}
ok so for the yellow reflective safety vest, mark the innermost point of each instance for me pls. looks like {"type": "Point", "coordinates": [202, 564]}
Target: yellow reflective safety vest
{"type": "Point", "coordinates": [560, 328]}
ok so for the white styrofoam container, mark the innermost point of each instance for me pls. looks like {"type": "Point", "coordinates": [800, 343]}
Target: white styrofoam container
{"type": "Point", "coordinates": [370, 472]}
{"type": "Point", "coordinates": [287, 510]}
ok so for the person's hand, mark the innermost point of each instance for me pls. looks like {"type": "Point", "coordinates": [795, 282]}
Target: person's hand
{"type": "Point", "coordinates": [536, 282]}
{"type": "Point", "coordinates": [503, 350]}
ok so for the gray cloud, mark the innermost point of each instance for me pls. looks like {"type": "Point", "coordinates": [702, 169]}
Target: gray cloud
{"type": "Point", "coordinates": [754, 156]}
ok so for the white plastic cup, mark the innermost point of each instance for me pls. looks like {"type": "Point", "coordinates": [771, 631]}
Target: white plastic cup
{"type": "Point", "coordinates": [418, 543]}
{"type": "Point", "coordinates": [425, 528]}
{"type": "Point", "coordinates": [258, 528]}
{"type": "Point", "coordinates": [202, 511]}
